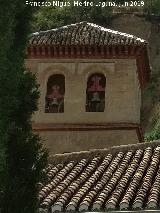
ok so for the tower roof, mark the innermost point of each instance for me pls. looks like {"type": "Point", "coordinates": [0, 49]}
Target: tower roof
{"type": "Point", "coordinates": [88, 40]}
{"type": "Point", "coordinates": [84, 33]}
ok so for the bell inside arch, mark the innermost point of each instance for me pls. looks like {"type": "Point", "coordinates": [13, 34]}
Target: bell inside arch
{"type": "Point", "coordinates": [95, 93]}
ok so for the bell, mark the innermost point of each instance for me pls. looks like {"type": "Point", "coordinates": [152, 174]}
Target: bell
{"type": "Point", "coordinates": [95, 97]}
{"type": "Point", "coordinates": [54, 101]}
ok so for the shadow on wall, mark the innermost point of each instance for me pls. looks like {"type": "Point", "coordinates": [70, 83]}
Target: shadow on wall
{"type": "Point", "coordinates": [150, 31]}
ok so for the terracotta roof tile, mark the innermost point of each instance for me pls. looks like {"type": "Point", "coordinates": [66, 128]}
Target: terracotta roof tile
{"type": "Point", "coordinates": [126, 180]}
{"type": "Point", "coordinates": [83, 33]}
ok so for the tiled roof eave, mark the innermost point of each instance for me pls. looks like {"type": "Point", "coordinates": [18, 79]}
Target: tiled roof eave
{"type": "Point", "coordinates": [101, 152]}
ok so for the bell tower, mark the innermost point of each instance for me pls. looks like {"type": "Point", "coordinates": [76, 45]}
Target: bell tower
{"type": "Point", "coordinates": [91, 80]}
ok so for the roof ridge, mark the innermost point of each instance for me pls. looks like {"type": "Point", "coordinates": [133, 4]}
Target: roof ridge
{"type": "Point", "coordinates": [101, 152]}
{"type": "Point", "coordinates": [58, 28]}
{"type": "Point", "coordinates": [95, 26]}
{"type": "Point", "coordinates": [115, 31]}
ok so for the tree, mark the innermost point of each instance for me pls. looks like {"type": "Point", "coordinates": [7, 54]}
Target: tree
{"type": "Point", "coordinates": [51, 17]}
{"type": "Point", "coordinates": [154, 134]}
{"type": "Point", "coordinates": [152, 7]}
{"type": "Point", "coordinates": [22, 155]}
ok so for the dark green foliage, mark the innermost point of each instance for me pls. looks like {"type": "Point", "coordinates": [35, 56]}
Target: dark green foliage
{"type": "Point", "coordinates": [154, 134]}
{"type": "Point", "coordinates": [153, 129]}
{"type": "Point", "coordinates": [22, 156]}
{"type": "Point", "coordinates": [152, 7]}
{"type": "Point", "coordinates": [152, 92]}
{"type": "Point", "coordinates": [153, 87]}
{"type": "Point", "coordinates": [51, 17]}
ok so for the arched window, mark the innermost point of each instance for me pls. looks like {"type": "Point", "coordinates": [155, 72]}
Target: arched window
{"type": "Point", "coordinates": [95, 93]}
{"type": "Point", "coordinates": [54, 100]}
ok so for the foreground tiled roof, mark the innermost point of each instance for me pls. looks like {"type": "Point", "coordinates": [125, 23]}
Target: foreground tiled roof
{"type": "Point", "coordinates": [83, 33]}
{"type": "Point", "coordinates": [125, 179]}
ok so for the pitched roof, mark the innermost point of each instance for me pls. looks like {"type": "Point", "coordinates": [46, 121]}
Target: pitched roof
{"type": "Point", "coordinates": [124, 178]}
{"type": "Point", "coordinates": [83, 33]}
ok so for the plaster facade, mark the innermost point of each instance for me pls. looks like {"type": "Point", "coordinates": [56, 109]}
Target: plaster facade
{"type": "Point", "coordinates": [122, 102]}
{"type": "Point", "coordinates": [122, 95]}
{"type": "Point", "coordinates": [75, 141]}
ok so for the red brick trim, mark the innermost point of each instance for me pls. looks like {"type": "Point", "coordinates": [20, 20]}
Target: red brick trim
{"type": "Point", "coordinates": [41, 127]}
{"type": "Point", "coordinates": [81, 51]}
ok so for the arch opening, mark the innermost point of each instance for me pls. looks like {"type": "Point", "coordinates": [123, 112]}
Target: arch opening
{"type": "Point", "coordinates": [95, 93]}
{"type": "Point", "coordinates": [54, 100]}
